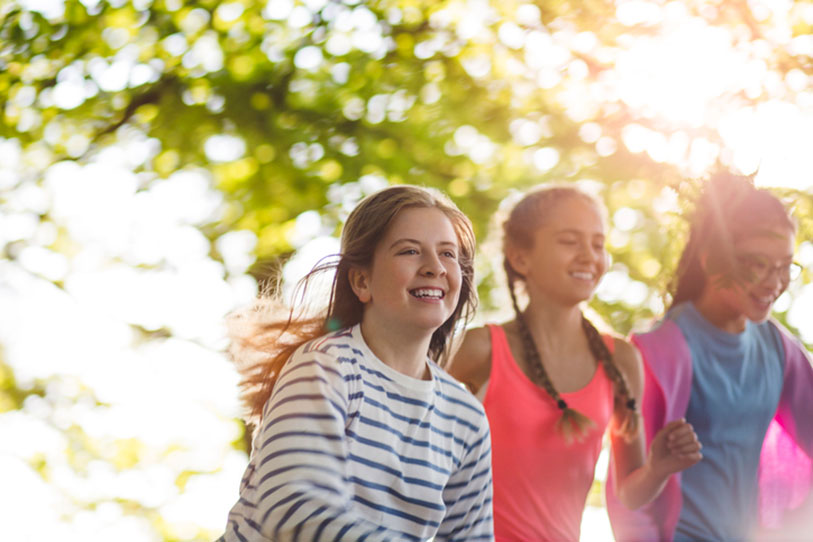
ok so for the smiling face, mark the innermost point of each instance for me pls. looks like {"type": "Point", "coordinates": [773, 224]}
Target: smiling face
{"type": "Point", "coordinates": [761, 274]}
{"type": "Point", "coordinates": [413, 283]}
{"type": "Point", "coordinates": [568, 257]}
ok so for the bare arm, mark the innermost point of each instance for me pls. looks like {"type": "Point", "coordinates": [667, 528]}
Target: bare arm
{"type": "Point", "coordinates": [641, 476]}
{"type": "Point", "coordinates": [471, 364]}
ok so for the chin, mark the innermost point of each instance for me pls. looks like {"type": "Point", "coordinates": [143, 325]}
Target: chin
{"type": "Point", "coordinates": [577, 297]}
{"type": "Point", "coordinates": [759, 316]}
{"type": "Point", "coordinates": [432, 325]}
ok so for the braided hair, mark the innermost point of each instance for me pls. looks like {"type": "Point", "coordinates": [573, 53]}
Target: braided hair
{"type": "Point", "coordinates": [524, 220]}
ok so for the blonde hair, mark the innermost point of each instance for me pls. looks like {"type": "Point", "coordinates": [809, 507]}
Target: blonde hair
{"type": "Point", "coordinates": [264, 336]}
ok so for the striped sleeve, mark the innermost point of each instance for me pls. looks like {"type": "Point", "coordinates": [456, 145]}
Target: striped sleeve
{"type": "Point", "coordinates": [298, 487]}
{"type": "Point", "coordinates": [468, 495]}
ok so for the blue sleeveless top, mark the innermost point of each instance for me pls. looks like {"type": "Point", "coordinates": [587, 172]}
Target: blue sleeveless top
{"type": "Point", "coordinates": [736, 385]}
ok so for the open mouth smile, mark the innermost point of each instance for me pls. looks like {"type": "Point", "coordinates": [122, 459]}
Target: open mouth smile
{"type": "Point", "coordinates": [763, 301]}
{"type": "Point", "coordinates": [428, 293]}
{"type": "Point", "coordinates": [582, 275]}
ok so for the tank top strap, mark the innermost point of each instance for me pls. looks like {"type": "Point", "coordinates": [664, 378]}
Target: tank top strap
{"type": "Point", "coordinates": [499, 343]}
{"type": "Point", "coordinates": [501, 354]}
{"type": "Point", "coordinates": [504, 367]}
{"type": "Point", "coordinates": [609, 341]}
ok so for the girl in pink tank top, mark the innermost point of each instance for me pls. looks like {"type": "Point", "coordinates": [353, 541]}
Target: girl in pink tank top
{"type": "Point", "coordinates": [551, 384]}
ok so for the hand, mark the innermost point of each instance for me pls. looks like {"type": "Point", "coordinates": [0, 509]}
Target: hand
{"type": "Point", "coordinates": [674, 448]}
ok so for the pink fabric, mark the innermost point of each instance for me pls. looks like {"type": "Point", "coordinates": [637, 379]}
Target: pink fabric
{"type": "Point", "coordinates": [657, 520]}
{"type": "Point", "coordinates": [786, 471]}
{"type": "Point", "coordinates": [540, 483]}
{"type": "Point", "coordinates": [786, 475]}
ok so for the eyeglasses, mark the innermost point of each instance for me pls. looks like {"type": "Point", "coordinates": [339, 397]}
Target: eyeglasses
{"type": "Point", "coordinates": [758, 268]}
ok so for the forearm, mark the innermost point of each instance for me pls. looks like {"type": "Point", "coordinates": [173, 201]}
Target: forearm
{"type": "Point", "coordinates": [641, 486]}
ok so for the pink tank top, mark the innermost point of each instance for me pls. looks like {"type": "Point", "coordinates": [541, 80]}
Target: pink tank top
{"type": "Point", "coordinates": [540, 482]}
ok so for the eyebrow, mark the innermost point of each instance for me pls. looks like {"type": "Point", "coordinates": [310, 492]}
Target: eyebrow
{"type": "Point", "coordinates": [789, 257]}
{"type": "Point", "coordinates": [577, 232]}
{"type": "Point", "coordinates": [416, 242]}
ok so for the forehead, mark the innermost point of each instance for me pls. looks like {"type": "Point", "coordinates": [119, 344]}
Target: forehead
{"type": "Point", "coordinates": [575, 213]}
{"type": "Point", "coordinates": [777, 243]}
{"type": "Point", "coordinates": [421, 223]}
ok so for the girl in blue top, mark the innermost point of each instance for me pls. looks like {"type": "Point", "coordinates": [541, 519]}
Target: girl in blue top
{"type": "Point", "coordinates": [718, 360]}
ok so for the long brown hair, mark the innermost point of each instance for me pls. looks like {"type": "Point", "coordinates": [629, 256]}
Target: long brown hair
{"type": "Point", "coordinates": [265, 336]}
{"type": "Point", "coordinates": [728, 209]}
{"type": "Point", "coordinates": [527, 216]}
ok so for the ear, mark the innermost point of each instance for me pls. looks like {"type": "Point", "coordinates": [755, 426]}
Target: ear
{"type": "Point", "coordinates": [712, 260]}
{"type": "Point", "coordinates": [360, 283]}
{"type": "Point", "coordinates": [518, 258]}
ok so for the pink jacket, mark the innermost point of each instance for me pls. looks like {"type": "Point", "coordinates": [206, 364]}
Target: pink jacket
{"type": "Point", "coordinates": [786, 471]}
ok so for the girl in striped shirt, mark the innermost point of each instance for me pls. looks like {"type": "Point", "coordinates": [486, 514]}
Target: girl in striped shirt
{"type": "Point", "coordinates": [360, 434]}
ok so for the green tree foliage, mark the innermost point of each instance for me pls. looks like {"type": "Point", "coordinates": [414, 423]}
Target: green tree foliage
{"type": "Point", "coordinates": [290, 106]}
{"type": "Point", "coordinates": [458, 95]}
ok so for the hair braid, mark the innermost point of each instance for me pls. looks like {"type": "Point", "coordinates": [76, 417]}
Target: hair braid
{"type": "Point", "coordinates": [572, 425]}
{"type": "Point", "coordinates": [629, 425]}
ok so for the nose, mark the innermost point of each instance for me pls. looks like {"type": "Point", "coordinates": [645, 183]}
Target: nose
{"type": "Point", "coordinates": [586, 252]}
{"type": "Point", "coordinates": [432, 267]}
{"type": "Point", "coordinates": [775, 280]}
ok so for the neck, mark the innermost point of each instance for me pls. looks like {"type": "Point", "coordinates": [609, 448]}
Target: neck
{"type": "Point", "coordinates": [556, 324]}
{"type": "Point", "coordinates": [719, 314]}
{"type": "Point", "coordinates": [403, 351]}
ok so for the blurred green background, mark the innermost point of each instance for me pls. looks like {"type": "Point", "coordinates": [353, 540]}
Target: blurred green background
{"type": "Point", "coordinates": [160, 160]}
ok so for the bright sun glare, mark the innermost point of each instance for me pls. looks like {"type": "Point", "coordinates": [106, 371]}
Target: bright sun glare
{"type": "Point", "coordinates": [684, 82]}
{"type": "Point", "coordinates": [692, 76]}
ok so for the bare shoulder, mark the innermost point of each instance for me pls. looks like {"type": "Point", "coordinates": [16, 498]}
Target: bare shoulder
{"type": "Point", "coordinates": [471, 363]}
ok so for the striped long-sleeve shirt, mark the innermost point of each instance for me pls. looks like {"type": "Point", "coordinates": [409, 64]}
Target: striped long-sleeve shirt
{"type": "Point", "coordinates": [350, 449]}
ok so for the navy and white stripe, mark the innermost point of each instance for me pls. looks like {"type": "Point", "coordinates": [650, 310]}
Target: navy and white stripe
{"type": "Point", "coordinates": [350, 449]}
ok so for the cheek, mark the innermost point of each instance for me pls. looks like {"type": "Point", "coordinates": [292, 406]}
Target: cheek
{"type": "Point", "coordinates": [605, 260]}
{"type": "Point", "coordinates": [455, 276]}
{"type": "Point", "coordinates": [735, 295]}
{"type": "Point", "coordinates": [397, 274]}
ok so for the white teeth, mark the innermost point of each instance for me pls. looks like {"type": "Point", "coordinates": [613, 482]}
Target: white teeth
{"type": "Point", "coordinates": [582, 276]}
{"type": "Point", "coordinates": [435, 293]}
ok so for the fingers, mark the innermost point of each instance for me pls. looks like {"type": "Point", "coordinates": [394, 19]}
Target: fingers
{"type": "Point", "coordinates": [688, 460]}
{"type": "Point", "coordinates": [686, 449]}
{"type": "Point", "coordinates": [675, 447]}
{"type": "Point", "coordinates": [681, 439]}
